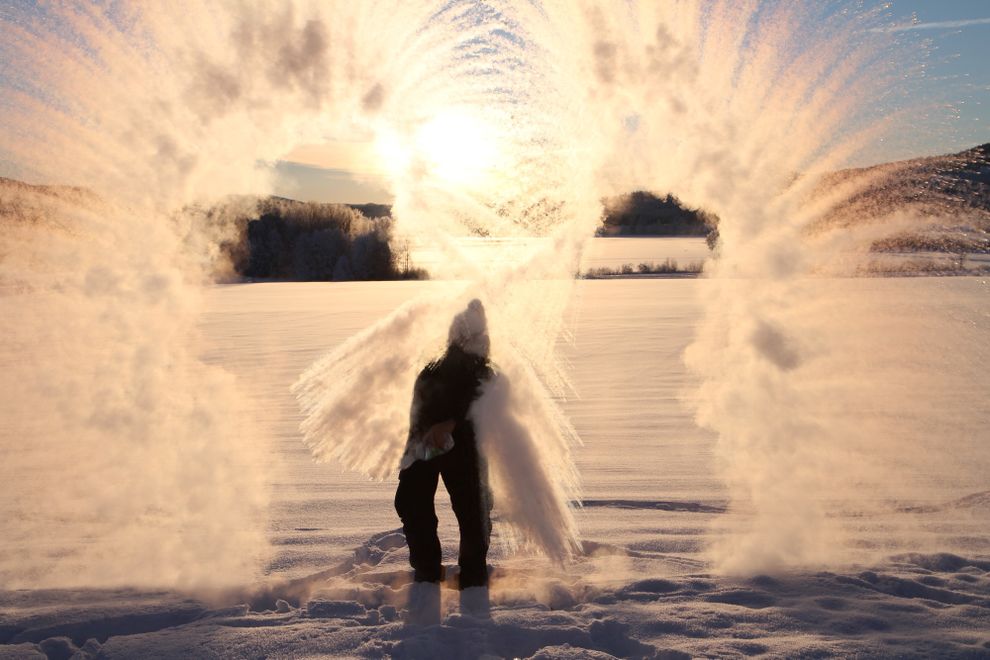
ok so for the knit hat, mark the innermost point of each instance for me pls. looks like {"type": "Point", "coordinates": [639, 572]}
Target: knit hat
{"type": "Point", "coordinates": [469, 330]}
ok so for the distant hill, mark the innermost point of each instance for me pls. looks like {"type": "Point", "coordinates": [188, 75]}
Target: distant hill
{"type": "Point", "coordinates": [61, 192]}
{"type": "Point", "coordinates": [946, 198]}
{"type": "Point", "coordinates": [25, 204]}
{"type": "Point", "coordinates": [939, 185]}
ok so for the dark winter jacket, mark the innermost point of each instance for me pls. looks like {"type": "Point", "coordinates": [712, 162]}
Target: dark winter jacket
{"type": "Point", "coordinates": [445, 390]}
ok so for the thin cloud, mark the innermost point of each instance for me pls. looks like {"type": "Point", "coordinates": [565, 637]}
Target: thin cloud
{"type": "Point", "coordinates": [934, 25]}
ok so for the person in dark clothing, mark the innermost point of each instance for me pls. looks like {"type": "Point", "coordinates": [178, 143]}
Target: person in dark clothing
{"type": "Point", "coordinates": [442, 445]}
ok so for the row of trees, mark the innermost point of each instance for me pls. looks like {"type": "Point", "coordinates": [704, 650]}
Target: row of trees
{"type": "Point", "coordinates": [286, 239]}
{"type": "Point", "coordinates": [279, 238]}
{"type": "Point", "coordinates": [644, 214]}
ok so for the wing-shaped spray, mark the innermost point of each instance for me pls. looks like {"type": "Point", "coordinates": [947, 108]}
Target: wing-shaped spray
{"type": "Point", "coordinates": [356, 404]}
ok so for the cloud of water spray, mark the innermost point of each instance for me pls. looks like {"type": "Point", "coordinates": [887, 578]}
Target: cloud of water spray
{"type": "Point", "coordinates": [156, 462]}
{"type": "Point", "coordinates": [736, 107]}
{"type": "Point", "coordinates": [486, 71]}
{"type": "Point", "coordinates": [771, 92]}
{"type": "Point", "coordinates": [733, 106]}
{"type": "Point", "coordinates": [127, 459]}
{"type": "Point", "coordinates": [726, 104]}
{"type": "Point", "coordinates": [356, 404]}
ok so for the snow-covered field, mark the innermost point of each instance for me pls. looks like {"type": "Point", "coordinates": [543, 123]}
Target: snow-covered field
{"type": "Point", "coordinates": [652, 500]}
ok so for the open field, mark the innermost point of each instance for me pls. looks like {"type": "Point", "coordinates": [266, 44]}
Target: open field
{"type": "Point", "coordinates": [913, 579]}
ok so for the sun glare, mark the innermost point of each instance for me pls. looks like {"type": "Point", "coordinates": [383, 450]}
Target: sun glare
{"type": "Point", "coordinates": [455, 147]}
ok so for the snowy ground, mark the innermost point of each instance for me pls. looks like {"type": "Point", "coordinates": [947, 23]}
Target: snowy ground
{"type": "Point", "coordinates": [611, 253]}
{"type": "Point", "coordinates": [644, 588]}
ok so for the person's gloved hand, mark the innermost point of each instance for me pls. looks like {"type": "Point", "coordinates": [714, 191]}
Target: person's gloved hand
{"type": "Point", "coordinates": [438, 436]}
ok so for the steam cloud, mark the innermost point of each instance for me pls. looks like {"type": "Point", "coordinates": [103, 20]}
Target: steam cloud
{"type": "Point", "coordinates": [127, 459]}
{"type": "Point", "coordinates": [112, 422]}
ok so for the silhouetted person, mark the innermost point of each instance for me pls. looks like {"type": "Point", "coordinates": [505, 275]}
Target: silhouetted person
{"type": "Point", "coordinates": [442, 444]}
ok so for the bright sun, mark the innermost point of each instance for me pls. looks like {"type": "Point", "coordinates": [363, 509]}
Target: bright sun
{"type": "Point", "coordinates": [455, 147]}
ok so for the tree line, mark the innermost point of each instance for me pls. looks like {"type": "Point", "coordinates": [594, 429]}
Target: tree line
{"type": "Point", "coordinates": [280, 238]}
{"type": "Point", "coordinates": [643, 213]}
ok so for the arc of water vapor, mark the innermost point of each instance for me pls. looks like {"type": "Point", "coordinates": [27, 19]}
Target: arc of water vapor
{"type": "Point", "coordinates": [731, 99]}
{"type": "Point", "coordinates": [526, 442]}
{"type": "Point", "coordinates": [356, 400]}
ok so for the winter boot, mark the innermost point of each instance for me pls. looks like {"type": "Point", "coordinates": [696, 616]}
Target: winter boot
{"type": "Point", "coordinates": [424, 604]}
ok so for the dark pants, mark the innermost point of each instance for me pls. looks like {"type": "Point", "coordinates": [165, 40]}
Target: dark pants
{"type": "Point", "coordinates": [466, 477]}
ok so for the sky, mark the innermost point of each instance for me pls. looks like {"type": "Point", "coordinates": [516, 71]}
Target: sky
{"type": "Point", "coordinates": [955, 95]}
{"type": "Point", "coordinates": [958, 75]}
{"type": "Point", "coordinates": [959, 31]}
